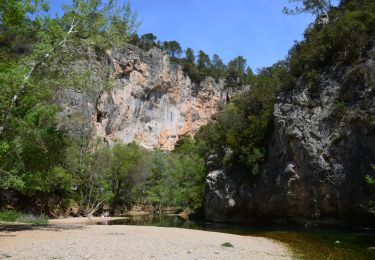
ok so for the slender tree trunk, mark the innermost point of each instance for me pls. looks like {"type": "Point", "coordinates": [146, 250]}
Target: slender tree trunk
{"type": "Point", "coordinates": [22, 87]}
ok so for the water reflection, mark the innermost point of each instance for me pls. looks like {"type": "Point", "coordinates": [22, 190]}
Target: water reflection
{"type": "Point", "coordinates": [306, 243]}
{"type": "Point", "coordinates": [154, 220]}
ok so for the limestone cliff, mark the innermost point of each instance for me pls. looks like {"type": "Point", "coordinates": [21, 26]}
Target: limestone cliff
{"type": "Point", "coordinates": [322, 146]}
{"type": "Point", "coordinates": [151, 101]}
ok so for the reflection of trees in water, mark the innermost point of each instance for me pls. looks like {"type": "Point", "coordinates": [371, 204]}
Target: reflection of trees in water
{"type": "Point", "coordinates": [155, 220]}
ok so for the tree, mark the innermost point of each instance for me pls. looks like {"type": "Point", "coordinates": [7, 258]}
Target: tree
{"type": "Point", "coordinates": [189, 56]}
{"type": "Point", "coordinates": [218, 67]}
{"type": "Point", "coordinates": [177, 177]}
{"type": "Point", "coordinates": [189, 172]}
{"type": "Point", "coordinates": [173, 48]}
{"type": "Point", "coordinates": [33, 150]}
{"type": "Point", "coordinates": [147, 41]}
{"type": "Point", "coordinates": [316, 7]}
{"type": "Point", "coordinates": [158, 191]}
{"type": "Point", "coordinates": [239, 136]}
{"type": "Point", "coordinates": [14, 13]}
{"type": "Point", "coordinates": [204, 61]}
{"type": "Point", "coordinates": [124, 162]}
{"type": "Point", "coordinates": [85, 19]}
{"type": "Point", "coordinates": [236, 73]}
{"type": "Point", "coordinates": [250, 76]}
{"type": "Point", "coordinates": [190, 67]}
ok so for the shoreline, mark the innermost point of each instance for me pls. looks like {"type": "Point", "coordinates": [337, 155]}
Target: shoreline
{"type": "Point", "coordinates": [74, 241]}
{"type": "Point", "coordinates": [82, 220]}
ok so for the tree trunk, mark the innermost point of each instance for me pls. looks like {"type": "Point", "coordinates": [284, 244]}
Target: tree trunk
{"type": "Point", "coordinates": [22, 87]}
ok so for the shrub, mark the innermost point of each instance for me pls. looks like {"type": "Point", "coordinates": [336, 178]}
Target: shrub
{"type": "Point", "coordinates": [342, 41]}
{"type": "Point", "coordinates": [14, 216]}
{"type": "Point", "coordinates": [227, 244]}
{"type": "Point", "coordinates": [9, 215]}
{"type": "Point", "coordinates": [32, 219]}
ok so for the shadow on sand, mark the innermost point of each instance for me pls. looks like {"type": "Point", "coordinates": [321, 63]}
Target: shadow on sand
{"type": "Point", "coordinates": [8, 228]}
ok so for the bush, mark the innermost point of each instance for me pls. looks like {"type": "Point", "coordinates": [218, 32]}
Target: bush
{"type": "Point", "coordinates": [227, 244]}
{"type": "Point", "coordinates": [9, 215]}
{"type": "Point", "coordinates": [14, 216]}
{"type": "Point", "coordinates": [342, 41]}
{"type": "Point", "coordinates": [32, 219]}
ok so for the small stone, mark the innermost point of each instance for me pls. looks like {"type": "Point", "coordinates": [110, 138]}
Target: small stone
{"type": "Point", "coordinates": [337, 242]}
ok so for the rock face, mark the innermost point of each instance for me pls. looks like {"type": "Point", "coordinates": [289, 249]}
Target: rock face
{"type": "Point", "coordinates": [152, 102]}
{"type": "Point", "coordinates": [322, 147]}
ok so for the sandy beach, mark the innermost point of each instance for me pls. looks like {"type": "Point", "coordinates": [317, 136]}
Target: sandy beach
{"type": "Point", "coordinates": [77, 241]}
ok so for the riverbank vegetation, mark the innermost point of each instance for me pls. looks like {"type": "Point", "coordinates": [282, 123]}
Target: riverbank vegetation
{"type": "Point", "coordinates": [15, 216]}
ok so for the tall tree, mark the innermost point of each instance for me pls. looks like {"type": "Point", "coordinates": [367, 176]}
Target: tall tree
{"type": "Point", "coordinates": [236, 72]}
{"type": "Point", "coordinates": [218, 67]}
{"type": "Point", "coordinates": [189, 56]}
{"type": "Point", "coordinates": [204, 61]}
{"type": "Point", "coordinates": [93, 20]}
{"type": "Point", "coordinates": [147, 41]}
{"type": "Point", "coordinates": [173, 48]}
{"type": "Point", "coordinates": [316, 7]}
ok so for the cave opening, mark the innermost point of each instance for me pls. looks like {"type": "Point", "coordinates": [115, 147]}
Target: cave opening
{"type": "Point", "coordinates": [99, 117]}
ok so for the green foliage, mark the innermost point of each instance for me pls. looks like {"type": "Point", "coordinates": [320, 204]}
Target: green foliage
{"type": "Point", "coordinates": [370, 179]}
{"type": "Point", "coordinates": [173, 48]}
{"type": "Point", "coordinates": [227, 244]}
{"type": "Point", "coordinates": [123, 165]}
{"type": "Point", "coordinates": [15, 216]}
{"type": "Point", "coordinates": [316, 7]}
{"type": "Point", "coordinates": [343, 40]}
{"type": "Point", "coordinates": [177, 178]}
{"type": "Point", "coordinates": [339, 110]}
{"type": "Point", "coordinates": [32, 147]}
{"type": "Point", "coordinates": [147, 41]}
{"type": "Point", "coordinates": [103, 23]}
{"type": "Point", "coordinates": [204, 61]}
{"type": "Point", "coordinates": [235, 76]}
{"type": "Point", "coordinates": [218, 69]}
{"type": "Point", "coordinates": [9, 215]}
{"type": "Point", "coordinates": [190, 66]}
{"type": "Point", "coordinates": [14, 13]}
{"type": "Point", "coordinates": [240, 134]}
{"type": "Point", "coordinates": [37, 54]}
{"type": "Point", "coordinates": [127, 173]}
{"type": "Point", "coordinates": [32, 219]}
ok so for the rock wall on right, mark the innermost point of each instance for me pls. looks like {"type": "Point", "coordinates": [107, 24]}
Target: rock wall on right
{"type": "Point", "coordinates": [321, 149]}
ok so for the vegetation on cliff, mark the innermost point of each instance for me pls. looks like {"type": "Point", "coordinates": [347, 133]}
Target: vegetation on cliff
{"type": "Point", "coordinates": [239, 136]}
{"type": "Point", "coordinates": [200, 66]}
{"type": "Point", "coordinates": [241, 132]}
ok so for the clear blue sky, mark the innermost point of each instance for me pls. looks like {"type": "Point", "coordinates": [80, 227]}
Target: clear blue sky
{"type": "Point", "coordinates": [255, 29]}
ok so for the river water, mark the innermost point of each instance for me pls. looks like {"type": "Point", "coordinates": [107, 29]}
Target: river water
{"type": "Point", "coordinates": [305, 242]}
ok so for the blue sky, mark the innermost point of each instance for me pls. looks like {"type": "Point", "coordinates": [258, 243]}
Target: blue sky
{"type": "Point", "coordinates": [255, 29]}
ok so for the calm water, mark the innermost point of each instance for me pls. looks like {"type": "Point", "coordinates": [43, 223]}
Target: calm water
{"type": "Point", "coordinates": [306, 243]}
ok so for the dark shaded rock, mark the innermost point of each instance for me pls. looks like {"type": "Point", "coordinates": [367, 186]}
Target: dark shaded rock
{"type": "Point", "coordinates": [321, 149]}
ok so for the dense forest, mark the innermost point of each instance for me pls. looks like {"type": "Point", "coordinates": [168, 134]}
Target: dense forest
{"type": "Point", "coordinates": [43, 168]}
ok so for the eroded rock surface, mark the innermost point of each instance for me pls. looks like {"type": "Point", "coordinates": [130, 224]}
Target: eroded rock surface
{"type": "Point", "coordinates": [322, 147]}
{"type": "Point", "coordinates": [153, 102]}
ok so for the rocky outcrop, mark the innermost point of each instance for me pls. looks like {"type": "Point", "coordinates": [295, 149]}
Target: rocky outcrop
{"type": "Point", "coordinates": [150, 101]}
{"type": "Point", "coordinates": [322, 147]}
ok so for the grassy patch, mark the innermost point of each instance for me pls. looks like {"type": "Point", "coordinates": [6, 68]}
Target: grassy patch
{"type": "Point", "coordinates": [9, 215]}
{"type": "Point", "coordinates": [14, 216]}
{"type": "Point", "coordinates": [227, 244]}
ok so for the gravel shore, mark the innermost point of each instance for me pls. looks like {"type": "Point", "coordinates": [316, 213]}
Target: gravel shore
{"type": "Point", "coordinates": [73, 241]}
